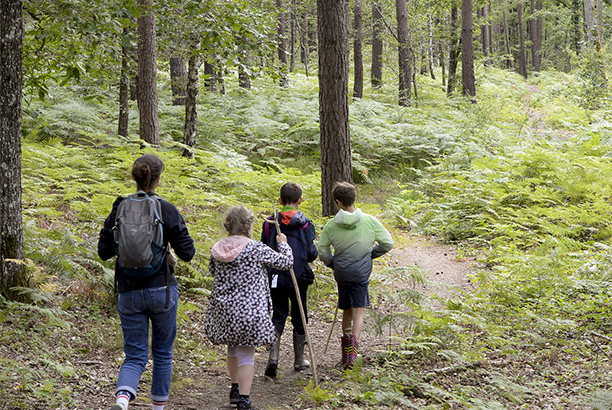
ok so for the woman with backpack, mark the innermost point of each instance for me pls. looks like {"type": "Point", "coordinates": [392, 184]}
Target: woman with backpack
{"type": "Point", "coordinates": [147, 293]}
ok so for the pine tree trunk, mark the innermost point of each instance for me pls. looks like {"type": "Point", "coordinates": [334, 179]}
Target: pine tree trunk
{"type": "Point", "coordinates": [576, 28]}
{"type": "Point", "coordinates": [507, 37]}
{"type": "Point", "coordinates": [191, 111]}
{"type": "Point", "coordinates": [12, 272]}
{"type": "Point", "coordinates": [304, 47]}
{"type": "Point", "coordinates": [281, 44]}
{"type": "Point", "coordinates": [533, 32]}
{"type": "Point", "coordinates": [124, 92]}
{"type": "Point", "coordinates": [377, 45]}
{"type": "Point", "coordinates": [589, 21]}
{"type": "Point", "coordinates": [334, 54]}
{"type": "Point", "coordinates": [147, 74]}
{"type": "Point", "coordinates": [522, 57]}
{"type": "Point", "coordinates": [358, 50]}
{"type": "Point", "coordinates": [486, 35]}
{"type": "Point", "coordinates": [442, 64]}
{"type": "Point", "coordinates": [292, 47]}
{"type": "Point", "coordinates": [453, 51]}
{"type": "Point", "coordinates": [404, 63]}
{"type": "Point", "coordinates": [178, 80]}
{"type": "Point", "coordinates": [467, 49]}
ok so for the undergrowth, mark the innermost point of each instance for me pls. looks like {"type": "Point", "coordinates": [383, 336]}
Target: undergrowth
{"type": "Point", "coordinates": [531, 200]}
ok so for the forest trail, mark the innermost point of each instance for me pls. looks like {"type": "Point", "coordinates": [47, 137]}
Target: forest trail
{"type": "Point", "coordinates": [535, 116]}
{"type": "Point", "coordinates": [208, 387]}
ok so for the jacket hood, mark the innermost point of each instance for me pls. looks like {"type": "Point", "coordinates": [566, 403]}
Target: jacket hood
{"type": "Point", "coordinates": [228, 248]}
{"type": "Point", "coordinates": [348, 219]}
{"type": "Point", "coordinates": [293, 218]}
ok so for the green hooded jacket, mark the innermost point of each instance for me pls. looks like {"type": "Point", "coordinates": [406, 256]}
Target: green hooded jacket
{"type": "Point", "coordinates": [356, 239]}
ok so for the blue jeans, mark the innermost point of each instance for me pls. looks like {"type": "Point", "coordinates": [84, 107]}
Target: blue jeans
{"type": "Point", "coordinates": [136, 308]}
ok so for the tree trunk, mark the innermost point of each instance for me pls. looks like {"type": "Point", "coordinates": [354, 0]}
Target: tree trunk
{"type": "Point", "coordinates": [12, 272]}
{"type": "Point", "coordinates": [147, 74]}
{"type": "Point", "coordinates": [453, 51]}
{"type": "Point", "coordinates": [292, 47]}
{"type": "Point", "coordinates": [124, 91]}
{"type": "Point", "coordinates": [535, 37]}
{"type": "Point", "coordinates": [281, 44]}
{"type": "Point", "coordinates": [486, 39]}
{"type": "Point", "coordinates": [305, 49]}
{"type": "Point", "coordinates": [576, 29]}
{"type": "Point", "coordinates": [377, 46]}
{"type": "Point", "coordinates": [191, 112]}
{"type": "Point", "coordinates": [358, 50]}
{"type": "Point", "coordinates": [178, 80]}
{"type": "Point", "coordinates": [210, 81]}
{"type": "Point", "coordinates": [334, 54]}
{"type": "Point", "coordinates": [430, 51]}
{"type": "Point", "coordinates": [599, 18]}
{"type": "Point", "coordinates": [467, 49]}
{"type": "Point", "coordinates": [509, 58]}
{"type": "Point", "coordinates": [404, 63]}
{"type": "Point", "coordinates": [522, 57]}
{"type": "Point", "coordinates": [442, 63]}
{"type": "Point", "coordinates": [589, 21]}
{"type": "Point", "coordinates": [244, 79]}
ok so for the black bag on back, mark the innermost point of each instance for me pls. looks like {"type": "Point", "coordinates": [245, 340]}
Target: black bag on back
{"type": "Point", "coordinates": [139, 236]}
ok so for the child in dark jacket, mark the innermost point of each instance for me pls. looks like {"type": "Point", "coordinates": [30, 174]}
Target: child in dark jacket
{"type": "Point", "coordinates": [300, 233]}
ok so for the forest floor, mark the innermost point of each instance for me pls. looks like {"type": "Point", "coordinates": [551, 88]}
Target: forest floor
{"type": "Point", "coordinates": [198, 386]}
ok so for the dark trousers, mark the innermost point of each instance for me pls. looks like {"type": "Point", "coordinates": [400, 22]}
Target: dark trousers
{"type": "Point", "coordinates": [285, 300]}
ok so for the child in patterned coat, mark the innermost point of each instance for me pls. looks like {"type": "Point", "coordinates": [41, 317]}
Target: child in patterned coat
{"type": "Point", "coordinates": [239, 314]}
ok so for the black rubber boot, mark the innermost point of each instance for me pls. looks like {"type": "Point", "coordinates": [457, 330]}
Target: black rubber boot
{"type": "Point", "coordinates": [273, 358]}
{"type": "Point", "coordinates": [299, 341]}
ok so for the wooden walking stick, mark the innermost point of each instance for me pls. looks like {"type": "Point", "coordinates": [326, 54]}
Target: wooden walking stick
{"type": "Point", "coordinates": [299, 299]}
{"type": "Point", "coordinates": [331, 330]}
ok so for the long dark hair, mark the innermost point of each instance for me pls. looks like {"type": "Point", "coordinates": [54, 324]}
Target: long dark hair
{"type": "Point", "coordinates": [146, 170]}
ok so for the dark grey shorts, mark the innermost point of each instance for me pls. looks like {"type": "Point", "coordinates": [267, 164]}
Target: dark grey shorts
{"type": "Point", "coordinates": [353, 296]}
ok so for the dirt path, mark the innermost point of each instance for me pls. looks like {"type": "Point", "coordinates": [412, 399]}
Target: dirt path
{"type": "Point", "coordinates": [207, 387]}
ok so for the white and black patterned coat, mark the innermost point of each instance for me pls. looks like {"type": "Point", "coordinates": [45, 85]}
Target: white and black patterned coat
{"type": "Point", "coordinates": [240, 308]}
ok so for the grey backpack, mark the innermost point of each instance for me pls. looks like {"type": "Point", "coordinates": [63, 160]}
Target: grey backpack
{"type": "Point", "coordinates": [139, 236]}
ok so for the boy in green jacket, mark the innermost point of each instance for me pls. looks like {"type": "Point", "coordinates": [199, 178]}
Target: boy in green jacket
{"type": "Point", "coordinates": [356, 238]}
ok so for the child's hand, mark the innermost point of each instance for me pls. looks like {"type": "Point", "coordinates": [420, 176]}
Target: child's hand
{"type": "Point", "coordinates": [281, 238]}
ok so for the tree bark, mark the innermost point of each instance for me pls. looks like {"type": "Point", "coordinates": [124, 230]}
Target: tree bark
{"type": "Point", "coordinates": [467, 49]}
{"type": "Point", "coordinates": [178, 80]}
{"type": "Point", "coordinates": [124, 91]}
{"type": "Point", "coordinates": [453, 51]}
{"type": "Point", "coordinates": [358, 50]}
{"type": "Point", "coordinates": [304, 48]}
{"type": "Point", "coordinates": [442, 63]}
{"type": "Point", "coordinates": [12, 272]}
{"type": "Point", "coordinates": [377, 46]}
{"type": "Point", "coordinates": [576, 29]}
{"type": "Point", "coordinates": [404, 63]}
{"type": "Point", "coordinates": [589, 21]}
{"type": "Point", "coordinates": [486, 35]}
{"type": "Point", "coordinates": [210, 81]}
{"type": "Point", "coordinates": [522, 57]}
{"type": "Point", "coordinates": [281, 44]}
{"type": "Point", "coordinates": [536, 36]}
{"type": "Point", "coordinates": [334, 54]}
{"type": "Point", "coordinates": [147, 74]}
{"type": "Point", "coordinates": [292, 45]}
{"type": "Point", "coordinates": [509, 58]}
{"type": "Point", "coordinates": [244, 79]}
{"type": "Point", "coordinates": [430, 51]}
{"type": "Point", "coordinates": [191, 112]}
